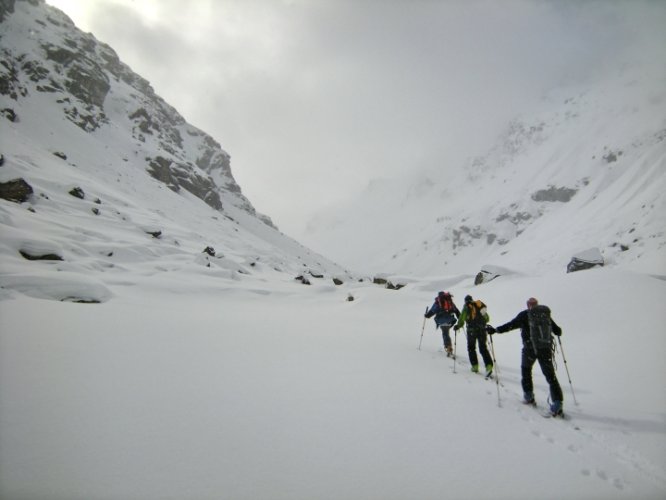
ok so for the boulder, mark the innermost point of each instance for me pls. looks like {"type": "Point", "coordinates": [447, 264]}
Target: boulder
{"type": "Point", "coordinates": [155, 234]}
{"type": "Point", "coordinates": [77, 192]}
{"type": "Point", "coordinates": [16, 190]}
{"type": "Point", "coordinates": [29, 255]}
{"type": "Point", "coordinates": [585, 260]}
{"type": "Point", "coordinates": [489, 273]}
{"type": "Point", "coordinates": [10, 114]}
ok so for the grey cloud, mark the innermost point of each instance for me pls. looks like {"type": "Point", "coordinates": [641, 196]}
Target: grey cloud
{"type": "Point", "coordinates": [314, 98]}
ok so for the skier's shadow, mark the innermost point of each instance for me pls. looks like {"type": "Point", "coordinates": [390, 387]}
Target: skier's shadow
{"type": "Point", "coordinates": [628, 425]}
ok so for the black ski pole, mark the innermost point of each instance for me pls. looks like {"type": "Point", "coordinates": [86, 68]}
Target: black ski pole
{"type": "Point", "coordinates": [492, 350]}
{"type": "Point", "coordinates": [423, 328]}
{"type": "Point", "coordinates": [559, 340]}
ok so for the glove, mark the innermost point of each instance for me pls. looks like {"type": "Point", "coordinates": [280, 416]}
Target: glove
{"type": "Point", "coordinates": [557, 333]}
{"type": "Point", "coordinates": [490, 330]}
{"type": "Point", "coordinates": [456, 328]}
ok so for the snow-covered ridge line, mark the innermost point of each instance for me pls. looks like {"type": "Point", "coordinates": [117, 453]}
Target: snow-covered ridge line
{"type": "Point", "coordinates": [586, 169]}
{"type": "Point", "coordinates": [101, 178]}
{"type": "Point", "coordinates": [44, 52]}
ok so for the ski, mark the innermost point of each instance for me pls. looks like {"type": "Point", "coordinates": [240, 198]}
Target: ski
{"type": "Point", "coordinates": [549, 414]}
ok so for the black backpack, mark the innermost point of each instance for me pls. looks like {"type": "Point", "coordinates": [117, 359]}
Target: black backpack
{"type": "Point", "coordinates": [540, 326]}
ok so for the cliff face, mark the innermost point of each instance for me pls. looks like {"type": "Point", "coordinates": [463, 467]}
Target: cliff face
{"type": "Point", "coordinates": [44, 54]}
{"type": "Point", "coordinates": [102, 181]}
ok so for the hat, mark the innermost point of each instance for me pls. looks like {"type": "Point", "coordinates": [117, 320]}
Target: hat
{"type": "Point", "coordinates": [468, 298]}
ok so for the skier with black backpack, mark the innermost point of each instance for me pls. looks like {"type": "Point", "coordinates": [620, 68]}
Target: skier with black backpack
{"type": "Point", "coordinates": [446, 314]}
{"type": "Point", "coordinates": [475, 314]}
{"type": "Point", "coordinates": [536, 327]}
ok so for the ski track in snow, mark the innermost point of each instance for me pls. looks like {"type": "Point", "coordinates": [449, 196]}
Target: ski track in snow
{"type": "Point", "coordinates": [565, 433]}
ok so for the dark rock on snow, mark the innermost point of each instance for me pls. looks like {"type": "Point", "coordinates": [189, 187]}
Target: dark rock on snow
{"type": "Point", "coordinates": [16, 190]}
{"type": "Point", "coordinates": [585, 260]}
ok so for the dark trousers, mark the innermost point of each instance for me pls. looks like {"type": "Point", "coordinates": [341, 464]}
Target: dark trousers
{"type": "Point", "coordinates": [545, 358]}
{"type": "Point", "coordinates": [474, 336]}
{"type": "Point", "coordinates": [446, 336]}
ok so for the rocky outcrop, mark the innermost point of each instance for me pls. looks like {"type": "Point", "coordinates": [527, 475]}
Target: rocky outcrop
{"type": "Point", "coordinates": [91, 85]}
{"type": "Point", "coordinates": [553, 194]}
{"type": "Point", "coordinates": [17, 190]}
{"type": "Point", "coordinates": [484, 276]}
{"type": "Point", "coordinates": [32, 256]}
{"type": "Point", "coordinates": [490, 272]}
{"type": "Point", "coordinates": [77, 192]}
{"type": "Point", "coordinates": [6, 8]}
{"type": "Point", "coordinates": [585, 260]}
{"type": "Point", "coordinates": [176, 175]}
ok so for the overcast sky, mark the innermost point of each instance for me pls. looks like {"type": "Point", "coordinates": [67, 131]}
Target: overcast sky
{"type": "Point", "coordinates": [314, 98]}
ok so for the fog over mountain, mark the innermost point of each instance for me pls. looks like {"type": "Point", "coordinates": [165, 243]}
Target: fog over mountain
{"type": "Point", "coordinates": [587, 168]}
{"type": "Point", "coordinates": [314, 100]}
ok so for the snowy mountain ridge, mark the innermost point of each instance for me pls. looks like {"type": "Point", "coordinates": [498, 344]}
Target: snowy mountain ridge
{"type": "Point", "coordinates": [82, 73]}
{"type": "Point", "coordinates": [117, 177]}
{"type": "Point", "coordinates": [591, 163]}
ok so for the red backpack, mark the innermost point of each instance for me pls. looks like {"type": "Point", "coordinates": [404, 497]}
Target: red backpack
{"type": "Point", "coordinates": [445, 302]}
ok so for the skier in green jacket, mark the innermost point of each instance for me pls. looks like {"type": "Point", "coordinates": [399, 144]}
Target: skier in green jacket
{"type": "Point", "coordinates": [474, 313]}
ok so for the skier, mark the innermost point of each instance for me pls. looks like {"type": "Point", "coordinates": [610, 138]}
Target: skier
{"type": "Point", "coordinates": [446, 314]}
{"type": "Point", "coordinates": [533, 322]}
{"type": "Point", "coordinates": [474, 313]}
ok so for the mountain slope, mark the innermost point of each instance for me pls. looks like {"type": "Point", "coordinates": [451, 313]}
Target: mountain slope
{"type": "Point", "coordinates": [118, 178]}
{"type": "Point", "coordinates": [590, 166]}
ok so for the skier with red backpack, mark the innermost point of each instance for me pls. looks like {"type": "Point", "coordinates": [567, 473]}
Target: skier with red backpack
{"type": "Point", "coordinates": [475, 314]}
{"type": "Point", "coordinates": [446, 314]}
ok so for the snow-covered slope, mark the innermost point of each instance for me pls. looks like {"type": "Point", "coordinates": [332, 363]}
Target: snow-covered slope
{"type": "Point", "coordinates": [214, 375]}
{"type": "Point", "coordinates": [120, 182]}
{"type": "Point", "coordinates": [284, 392]}
{"type": "Point", "coordinates": [586, 170]}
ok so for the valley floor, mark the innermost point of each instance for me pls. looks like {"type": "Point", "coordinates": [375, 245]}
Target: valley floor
{"type": "Point", "coordinates": [272, 390]}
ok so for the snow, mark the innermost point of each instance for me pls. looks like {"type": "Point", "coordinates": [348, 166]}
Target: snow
{"type": "Point", "coordinates": [591, 255]}
{"type": "Point", "coordinates": [186, 375]}
{"type": "Point", "coordinates": [603, 142]}
{"type": "Point", "coordinates": [184, 386]}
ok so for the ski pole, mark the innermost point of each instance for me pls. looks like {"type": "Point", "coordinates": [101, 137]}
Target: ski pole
{"type": "Point", "coordinates": [455, 345]}
{"type": "Point", "coordinates": [492, 350]}
{"type": "Point", "coordinates": [559, 340]}
{"type": "Point", "coordinates": [423, 328]}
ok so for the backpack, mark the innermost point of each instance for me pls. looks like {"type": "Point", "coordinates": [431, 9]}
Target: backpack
{"type": "Point", "coordinates": [475, 312]}
{"type": "Point", "coordinates": [540, 326]}
{"type": "Point", "coordinates": [445, 302]}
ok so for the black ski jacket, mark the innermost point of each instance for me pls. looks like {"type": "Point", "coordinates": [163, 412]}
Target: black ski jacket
{"type": "Point", "coordinates": [522, 321]}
